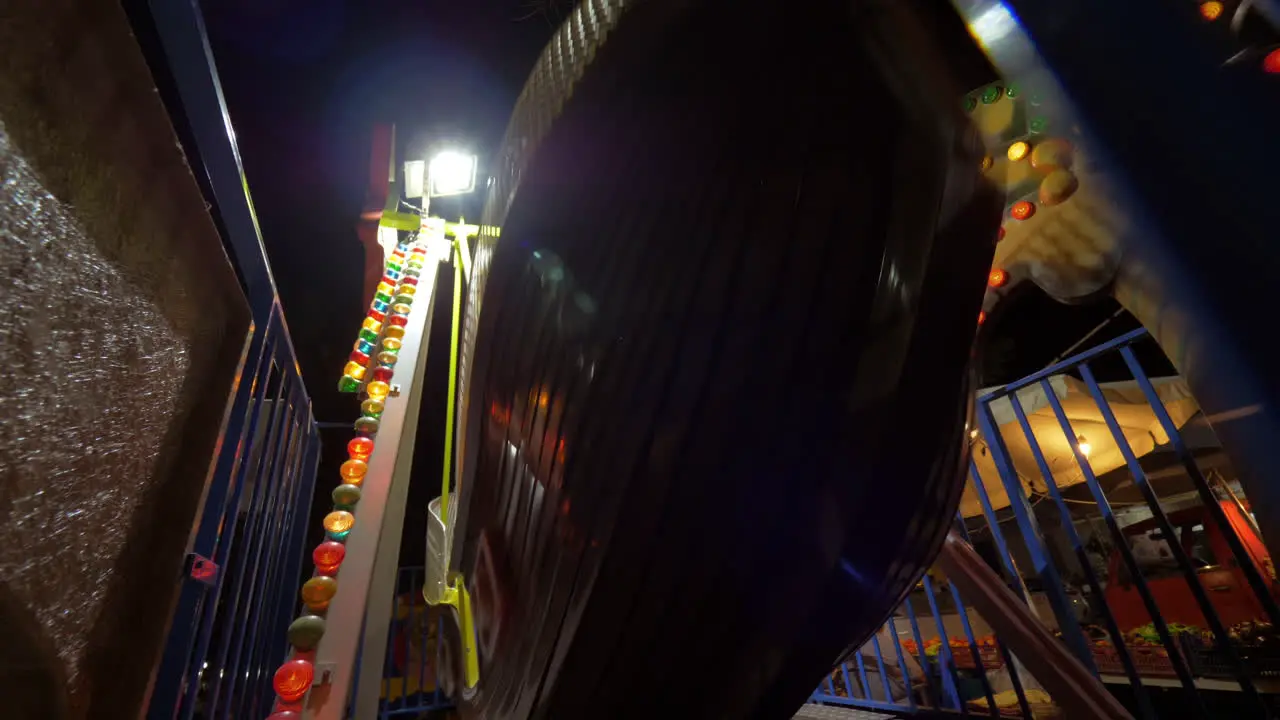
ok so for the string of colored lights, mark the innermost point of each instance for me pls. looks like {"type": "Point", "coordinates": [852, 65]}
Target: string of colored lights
{"type": "Point", "coordinates": [384, 327]}
{"type": "Point", "coordinates": [1049, 179]}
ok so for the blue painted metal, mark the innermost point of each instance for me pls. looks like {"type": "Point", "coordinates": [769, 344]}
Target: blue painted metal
{"type": "Point", "coordinates": [226, 637]}
{"type": "Point", "coordinates": [1257, 583]}
{"type": "Point", "coordinates": [1032, 535]}
{"type": "Point", "coordinates": [1064, 514]}
{"type": "Point", "coordinates": [1031, 539]}
{"type": "Point", "coordinates": [1015, 678]}
{"type": "Point", "coordinates": [1108, 515]}
{"type": "Point", "coordinates": [1171, 537]}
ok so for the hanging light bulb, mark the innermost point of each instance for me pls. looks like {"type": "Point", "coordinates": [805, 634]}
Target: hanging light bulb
{"type": "Point", "coordinates": [1083, 444]}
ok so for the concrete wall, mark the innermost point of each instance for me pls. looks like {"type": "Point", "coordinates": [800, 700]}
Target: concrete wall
{"type": "Point", "coordinates": [121, 329]}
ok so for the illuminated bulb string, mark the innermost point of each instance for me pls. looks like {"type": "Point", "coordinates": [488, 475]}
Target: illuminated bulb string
{"type": "Point", "coordinates": [381, 337]}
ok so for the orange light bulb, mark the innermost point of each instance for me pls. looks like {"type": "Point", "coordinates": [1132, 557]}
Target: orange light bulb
{"type": "Point", "coordinates": [1211, 10]}
{"type": "Point", "coordinates": [997, 278]}
{"type": "Point", "coordinates": [1022, 210]}
{"type": "Point", "coordinates": [353, 470]}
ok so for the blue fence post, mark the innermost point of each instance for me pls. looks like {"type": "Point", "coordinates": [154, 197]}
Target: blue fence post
{"type": "Point", "coordinates": [1032, 537]}
{"type": "Point", "coordinates": [1260, 587]}
{"type": "Point", "coordinates": [1113, 628]}
{"type": "Point", "coordinates": [1148, 601]}
{"type": "Point", "coordinates": [1015, 678]}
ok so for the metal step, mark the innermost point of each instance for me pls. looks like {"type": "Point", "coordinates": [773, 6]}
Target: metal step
{"type": "Point", "coordinates": [831, 712]}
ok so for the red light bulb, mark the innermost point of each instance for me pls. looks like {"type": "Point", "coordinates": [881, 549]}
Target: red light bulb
{"type": "Point", "coordinates": [379, 316]}
{"type": "Point", "coordinates": [400, 320]}
{"type": "Point", "coordinates": [358, 357]}
{"type": "Point", "coordinates": [293, 680]}
{"type": "Point", "coordinates": [383, 373]}
{"type": "Point", "coordinates": [328, 556]}
{"type": "Point", "coordinates": [1021, 210]}
{"type": "Point", "coordinates": [1271, 63]}
{"type": "Point", "coordinates": [360, 448]}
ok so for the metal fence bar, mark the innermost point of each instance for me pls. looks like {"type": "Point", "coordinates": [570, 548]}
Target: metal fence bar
{"type": "Point", "coordinates": [263, 522]}
{"type": "Point", "coordinates": [233, 549]}
{"type": "Point", "coordinates": [884, 676]}
{"type": "Point", "coordinates": [950, 678]}
{"type": "Point", "coordinates": [1059, 368]}
{"type": "Point", "coordinates": [1032, 536]}
{"type": "Point", "coordinates": [1170, 536]}
{"type": "Point", "coordinates": [848, 682]}
{"type": "Point", "coordinates": [223, 533]}
{"type": "Point", "coordinates": [862, 677]}
{"type": "Point", "coordinates": [1011, 573]}
{"type": "Point", "coordinates": [902, 663]}
{"type": "Point", "coordinates": [294, 552]}
{"type": "Point", "coordinates": [275, 586]}
{"type": "Point", "coordinates": [935, 694]}
{"type": "Point", "coordinates": [1148, 601]}
{"type": "Point", "coordinates": [1014, 677]}
{"type": "Point", "coordinates": [178, 676]}
{"type": "Point", "coordinates": [1064, 512]}
{"type": "Point", "coordinates": [1256, 582]}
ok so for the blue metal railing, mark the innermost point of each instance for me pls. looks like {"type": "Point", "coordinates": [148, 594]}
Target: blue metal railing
{"type": "Point", "coordinates": [410, 684]}
{"type": "Point", "coordinates": [1208, 672]}
{"type": "Point", "coordinates": [228, 629]}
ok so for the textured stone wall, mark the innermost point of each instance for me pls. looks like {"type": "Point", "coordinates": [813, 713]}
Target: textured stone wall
{"type": "Point", "coordinates": [121, 330]}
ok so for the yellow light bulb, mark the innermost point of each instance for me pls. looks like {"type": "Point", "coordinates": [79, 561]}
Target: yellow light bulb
{"type": "Point", "coordinates": [391, 343]}
{"type": "Point", "coordinates": [371, 325]}
{"type": "Point", "coordinates": [378, 390]}
{"type": "Point", "coordinates": [408, 290]}
{"type": "Point", "coordinates": [385, 288]}
{"type": "Point", "coordinates": [355, 370]}
{"type": "Point", "coordinates": [1018, 150]}
{"type": "Point", "coordinates": [395, 331]}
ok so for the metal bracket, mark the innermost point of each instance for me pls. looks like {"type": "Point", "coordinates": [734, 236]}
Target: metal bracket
{"type": "Point", "coordinates": [324, 674]}
{"type": "Point", "coordinates": [202, 569]}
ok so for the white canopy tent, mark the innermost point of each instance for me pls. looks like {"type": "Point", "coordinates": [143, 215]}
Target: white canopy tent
{"type": "Point", "coordinates": [1137, 420]}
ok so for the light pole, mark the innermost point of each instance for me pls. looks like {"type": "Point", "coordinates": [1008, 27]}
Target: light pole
{"type": "Point", "coordinates": [448, 172]}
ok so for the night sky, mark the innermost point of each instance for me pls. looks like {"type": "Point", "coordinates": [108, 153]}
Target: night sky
{"type": "Point", "coordinates": [305, 82]}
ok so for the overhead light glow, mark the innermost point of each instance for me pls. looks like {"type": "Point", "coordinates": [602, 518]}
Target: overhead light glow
{"type": "Point", "coordinates": [1211, 10]}
{"type": "Point", "coordinates": [452, 173]}
{"type": "Point", "coordinates": [1085, 447]}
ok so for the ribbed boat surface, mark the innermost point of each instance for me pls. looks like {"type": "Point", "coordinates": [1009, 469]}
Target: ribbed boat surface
{"type": "Point", "coordinates": [715, 365]}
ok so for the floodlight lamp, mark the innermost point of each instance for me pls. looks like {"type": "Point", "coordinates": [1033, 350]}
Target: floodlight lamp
{"type": "Point", "coordinates": [452, 173]}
